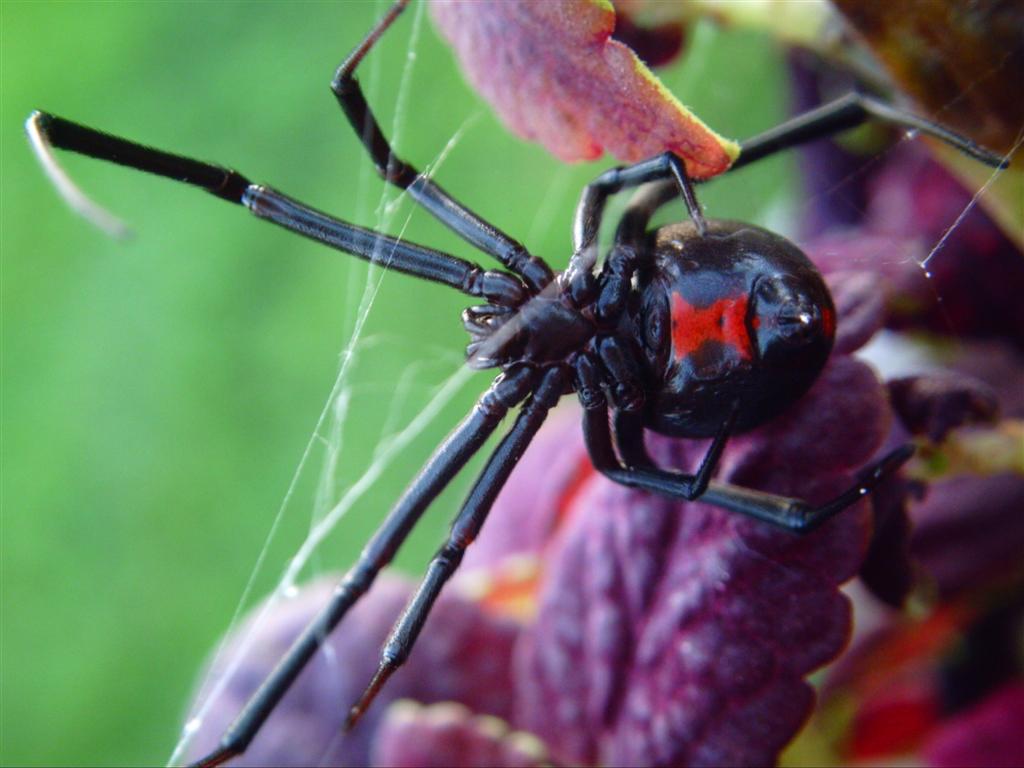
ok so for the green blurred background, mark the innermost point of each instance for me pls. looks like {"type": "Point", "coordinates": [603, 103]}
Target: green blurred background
{"type": "Point", "coordinates": [158, 394]}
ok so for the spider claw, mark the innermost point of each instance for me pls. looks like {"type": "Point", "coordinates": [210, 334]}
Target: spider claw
{"type": "Point", "coordinates": [366, 699]}
{"type": "Point", "coordinates": [353, 717]}
{"type": "Point", "coordinates": [218, 757]}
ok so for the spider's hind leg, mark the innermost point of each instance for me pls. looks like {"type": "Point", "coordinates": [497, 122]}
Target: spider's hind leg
{"type": "Point", "coordinates": [822, 122]}
{"type": "Point", "coordinates": [639, 470]}
{"type": "Point", "coordinates": [784, 512]}
{"type": "Point", "coordinates": [796, 515]}
{"type": "Point", "coordinates": [848, 112]}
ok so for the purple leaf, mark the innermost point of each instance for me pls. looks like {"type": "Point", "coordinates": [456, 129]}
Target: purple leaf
{"type": "Point", "coordinates": [932, 405]}
{"type": "Point", "coordinates": [680, 634]}
{"type": "Point", "coordinates": [450, 736]}
{"type": "Point", "coordinates": [970, 530]}
{"type": "Point", "coordinates": [887, 570]}
{"type": "Point", "coordinates": [463, 655]}
{"type": "Point", "coordinates": [860, 304]}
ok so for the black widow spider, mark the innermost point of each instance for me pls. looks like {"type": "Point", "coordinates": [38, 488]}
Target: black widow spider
{"type": "Point", "coordinates": [698, 329]}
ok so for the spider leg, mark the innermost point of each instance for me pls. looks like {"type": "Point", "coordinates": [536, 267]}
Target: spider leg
{"type": "Point", "coordinates": [837, 116]}
{"type": "Point", "coordinates": [464, 530]}
{"type": "Point", "coordinates": [847, 112]}
{"type": "Point", "coordinates": [642, 474]}
{"type": "Point", "coordinates": [667, 165]}
{"type": "Point", "coordinates": [590, 208]}
{"type": "Point", "coordinates": [506, 391]}
{"type": "Point", "coordinates": [792, 514]}
{"type": "Point", "coordinates": [626, 426]}
{"type": "Point", "coordinates": [426, 263]}
{"type": "Point", "coordinates": [483, 235]}
{"type": "Point", "coordinates": [642, 207]}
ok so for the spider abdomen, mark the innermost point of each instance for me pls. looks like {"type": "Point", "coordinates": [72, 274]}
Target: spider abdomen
{"type": "Point", "coordinates": [735, 318]}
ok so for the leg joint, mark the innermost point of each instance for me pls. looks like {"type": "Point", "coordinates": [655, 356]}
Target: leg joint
{"type": "Point", "coordinates": [344, 84]}
{"type": "Point", "coordinates": [799, 518]}
{"type": "Point", "coordinates": [508, 390]}
{"type": "Point", "coordinates": [451, 553]}
{"type": "Point", "coordinates": [535, 272]}
{"type": "Point", "coordinates": [494, 286]}
{"type": "Point", "coordinates": [588, 383]}
{"type": "Point", "coordinates": [394, 654]}
{"type": "Point", "coordinates": [396, 171]}
{"type": "Point", "coordinates": [360, 577]}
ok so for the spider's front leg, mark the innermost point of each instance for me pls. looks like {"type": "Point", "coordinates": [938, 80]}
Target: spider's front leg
{"type": "Point", "coordinates": [49, 131]}
{"type": "Point", "coordinates": [464, 530]}
{"type": "Point", "coordinates": [512, 254]}
{"type": "Point", "coordinates": [507, 390]}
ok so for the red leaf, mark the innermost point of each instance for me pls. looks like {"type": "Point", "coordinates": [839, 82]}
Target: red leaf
{"type": "Point", "coordinates": [894, 722]}
{"type": "Point", "coordinates": [555, 76]}
{"type": "Point", "coordinates": [991, 733]}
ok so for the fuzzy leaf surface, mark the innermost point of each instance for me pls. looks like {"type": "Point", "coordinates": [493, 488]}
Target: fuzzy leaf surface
{"type": "Point", "coordinates": [676, 633]}
{"type": "Point", "coordinates": [554, 75]}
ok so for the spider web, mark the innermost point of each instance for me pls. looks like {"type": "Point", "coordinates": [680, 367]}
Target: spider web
{"type": "Point", "coordinates": [892, 353]}
{"type": "Point", "coordinates": [332, 503]}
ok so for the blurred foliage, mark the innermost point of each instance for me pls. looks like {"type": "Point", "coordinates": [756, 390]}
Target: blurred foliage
{"type": "Point", "coordinates": [159, 393]}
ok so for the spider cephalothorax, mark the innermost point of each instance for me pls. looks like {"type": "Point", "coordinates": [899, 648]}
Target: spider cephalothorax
{"type": "Point", "coordinates": [699, 329]}
{"type": "Point", "coordinates": [545, 330]}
